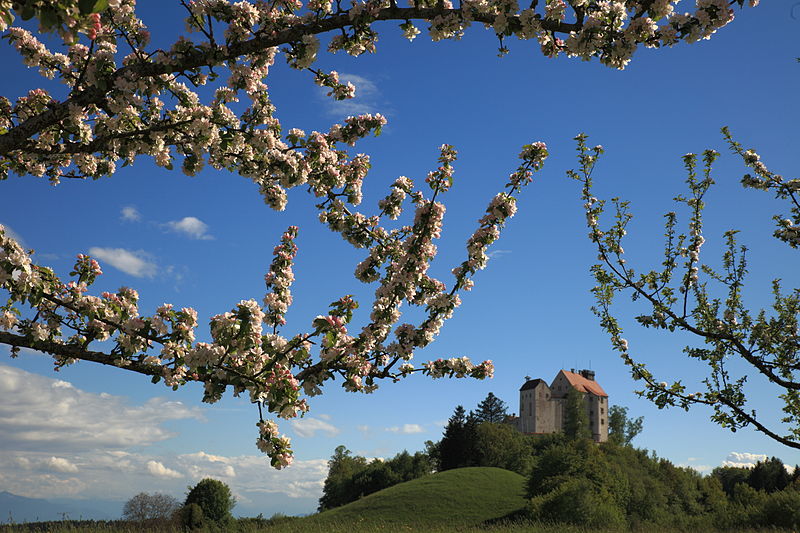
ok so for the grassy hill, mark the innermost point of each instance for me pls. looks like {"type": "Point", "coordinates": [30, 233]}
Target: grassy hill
{"type": "Point", "coordinates": [460, 497]}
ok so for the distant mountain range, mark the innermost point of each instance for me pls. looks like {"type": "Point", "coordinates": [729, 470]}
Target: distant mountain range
{"type": "Point", "coordinates": [19, 509]}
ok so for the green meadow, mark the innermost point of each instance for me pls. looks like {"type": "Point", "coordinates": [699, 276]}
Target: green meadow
{"type": "Point", "coordinates": [465, 500]}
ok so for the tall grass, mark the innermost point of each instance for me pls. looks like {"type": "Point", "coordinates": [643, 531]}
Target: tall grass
{"type": "Point", "coordinates": [303, 525]}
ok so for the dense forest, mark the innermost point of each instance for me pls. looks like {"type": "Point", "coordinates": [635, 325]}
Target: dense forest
{"type": "Point", "coordinates": [574, 480]}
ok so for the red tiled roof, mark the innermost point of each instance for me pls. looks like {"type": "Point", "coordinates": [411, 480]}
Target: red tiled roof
{"type": "Point", "coordinates": [584, 385]}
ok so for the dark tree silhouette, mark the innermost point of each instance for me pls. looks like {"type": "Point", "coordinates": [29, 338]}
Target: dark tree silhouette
{"type": "Point", "coordinates": [492, 409]}
{"type": "Point", "coordinates": [458, 446]}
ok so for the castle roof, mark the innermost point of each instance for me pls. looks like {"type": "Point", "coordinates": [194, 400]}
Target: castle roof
{"type": "Point", "coordinates": [532, 384]}
{"type": "Point", "coordinates": [584, 385]}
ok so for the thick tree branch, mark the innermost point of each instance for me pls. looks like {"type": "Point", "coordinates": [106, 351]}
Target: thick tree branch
{"type": "Point", "coordinates": [16, 137]}
{"type": "Point", "coordinates": [69, 351]}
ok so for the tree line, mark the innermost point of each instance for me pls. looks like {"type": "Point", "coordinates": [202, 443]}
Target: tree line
{"type": "Point", "coordinates": [572, 479]}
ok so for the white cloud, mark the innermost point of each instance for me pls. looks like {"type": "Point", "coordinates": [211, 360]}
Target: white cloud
{"type": "Point", "coordinates": [42, 463]}
{"type": "Point", "coordinates": [308, 427]}
{"type": "Point", "coordinates": [40, 414]}
{"type": "Point", "coordinates": [59, 464]}
{"type": "Point", "coordinates": [366, 99]}
{"type": "Point", "coordinates": [57, 440]}
{"type": "Point", "coordinates": [158, 469]}
{"type": "Point", "coordinates": [406, 429]}
{"type": "Point", "coordinates": [304, 479]}
{"type": "Point", "coordinates": [364, 87]}
{"type": "Point", "coordinates": [130, 214]}
{"type": "Point", "coordinates": [191, 227]}
{"type": "Point", "coordinates": [133, 263]}
{"type": "Point", "coordinates": [496, 254]}
{"type": "Point", "coordinates": [118, 474]}
{"type": "Point", "coordinates": [202, 464]}
{"type": "Point", "coordinates": [743, 459]}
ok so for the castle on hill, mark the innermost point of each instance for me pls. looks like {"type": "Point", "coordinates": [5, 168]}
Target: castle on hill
{"type": "Point", "coordinates": [542, 406]}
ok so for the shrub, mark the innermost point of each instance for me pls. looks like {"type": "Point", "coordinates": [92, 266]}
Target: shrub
{"type": "Point", "coordinates": [782, 509]}
{"type": "Point", "coordinates": [578, 501]}
{"type": "Point", "coordinates": [192, 517]}
{"type": "Point", "coordinates": [214, 498]}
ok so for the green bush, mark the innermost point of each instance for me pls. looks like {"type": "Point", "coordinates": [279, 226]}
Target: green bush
{"type": "Point", "coordinates": [578, 501]}
{"type": "Point", "coordinates": [781, 509]}
{"type": "Point", "coordinates": [192, 517]}
{"type": "Point", "coordinates": [214, 498]}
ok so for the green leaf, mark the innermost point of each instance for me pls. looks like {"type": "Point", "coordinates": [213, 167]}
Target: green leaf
{"type": "Point", "coordinates": [48, 17]}
{"type": "Point", "coordinates": [27, 12]}
{"type": "Point", "coordinates": [87, 7]}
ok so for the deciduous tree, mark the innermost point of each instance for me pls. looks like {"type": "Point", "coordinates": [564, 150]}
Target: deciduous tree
{"type": "Point", "coordinates": [622, 429]}
{"type": "Point", "coordinates": [576, 420]}
{"type": "Point", "coordinates": [214, 498]}
{"type": "Point", "coordinates": [144, 507]}
{"type": "Point", "coordinates": [124, 98]}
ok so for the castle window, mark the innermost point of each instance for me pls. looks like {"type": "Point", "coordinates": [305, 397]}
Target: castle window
{"type": "Point", "coordinates": [602, 410]}
{"type": "Point", "coordinates": [602, 421]}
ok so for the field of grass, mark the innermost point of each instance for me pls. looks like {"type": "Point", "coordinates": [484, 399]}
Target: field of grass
{"type": "Point", "coordinates": [461, 497]}
{"type": "Point", "coordinates": [465, 500]}
{"type": "Point", "coordinates": [304, 525]}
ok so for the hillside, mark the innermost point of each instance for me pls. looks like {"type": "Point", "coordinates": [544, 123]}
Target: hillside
{"type": "Point", "coordinates": [14, 508]}
{"type": "Point", "coordinates": [464, 496]}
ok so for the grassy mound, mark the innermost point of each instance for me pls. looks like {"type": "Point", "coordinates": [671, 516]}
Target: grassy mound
{"type": "Point", "coordinates": [460, 497]}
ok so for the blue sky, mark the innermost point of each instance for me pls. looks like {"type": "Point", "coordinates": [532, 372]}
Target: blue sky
{"type": "Point", "coordinates": [89, 432]}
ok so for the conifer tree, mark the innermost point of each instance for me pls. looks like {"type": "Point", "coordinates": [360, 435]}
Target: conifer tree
{"type": "Point", "coordinates": [492, 409]}
{"type": "Point", "coordinates": [458, 446]}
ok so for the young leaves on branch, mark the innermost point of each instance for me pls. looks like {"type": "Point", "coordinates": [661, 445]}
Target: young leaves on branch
{"type": "Point", "coordinates": [688, 294]}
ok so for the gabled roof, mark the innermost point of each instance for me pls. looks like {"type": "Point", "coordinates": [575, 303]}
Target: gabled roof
{"type": "Point", "coordinates": [584, 385]}
{"type": "Point", "coordinates": [532, 384]}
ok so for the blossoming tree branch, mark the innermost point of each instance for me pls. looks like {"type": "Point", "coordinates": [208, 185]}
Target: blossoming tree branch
{"type": "Point", "coordinates": [123, 99]}
{"type": "Point", "coordinates": [688, 294]}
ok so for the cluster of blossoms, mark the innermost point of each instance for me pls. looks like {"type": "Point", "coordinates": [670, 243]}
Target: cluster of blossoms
{"type": "Point", "coordinates": [458, 367]}
{"type": "Point", "coordinates": [788, 228]}
{"type": "Point", "coordinates": [279, 279]}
